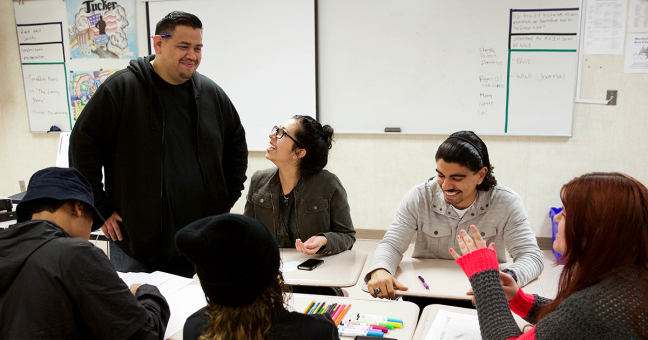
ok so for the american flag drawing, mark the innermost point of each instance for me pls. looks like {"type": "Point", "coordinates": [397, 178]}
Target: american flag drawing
{"type": "Point", "coordinates": [111, 23]}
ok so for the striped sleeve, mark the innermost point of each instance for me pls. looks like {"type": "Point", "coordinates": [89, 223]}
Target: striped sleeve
{"type": "Point", "coordinates": [495, 318]}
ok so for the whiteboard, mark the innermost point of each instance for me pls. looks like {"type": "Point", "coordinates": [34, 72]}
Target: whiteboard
{"type": "Point", "coordinates": [436, 67]}
{"type": "Point", "coordinates": [262, 53]}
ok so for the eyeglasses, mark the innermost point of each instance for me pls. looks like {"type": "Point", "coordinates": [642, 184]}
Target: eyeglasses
{"type": "Point", "coordinates": [280, 132]}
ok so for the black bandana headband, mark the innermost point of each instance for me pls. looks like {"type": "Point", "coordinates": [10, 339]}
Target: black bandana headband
{"type": "Point", "coordinates": [473, 145]}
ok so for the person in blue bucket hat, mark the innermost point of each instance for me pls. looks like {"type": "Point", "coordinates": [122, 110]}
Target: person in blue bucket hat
{"type": "Point", "coordinates": [56, 284]}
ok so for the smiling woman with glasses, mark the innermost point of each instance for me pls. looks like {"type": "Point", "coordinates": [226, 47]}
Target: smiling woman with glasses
{"type": "Point", "coordinates": [280, 132]}
{"type": "Point", "coordinates": [304, 206]}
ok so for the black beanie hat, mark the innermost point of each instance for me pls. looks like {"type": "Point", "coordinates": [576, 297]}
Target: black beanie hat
{"type": "Point", "coordinates": [236, 257]}
{"type": "Point", "coordinates": [61, 184]}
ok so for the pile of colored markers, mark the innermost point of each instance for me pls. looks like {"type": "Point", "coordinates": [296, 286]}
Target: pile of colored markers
{"type": "Point", "coordinates": [336, 311]}
{"type": "Point", "coordinates": [364, 324]}
{"type": "Point", "coordinates": [369, 325]}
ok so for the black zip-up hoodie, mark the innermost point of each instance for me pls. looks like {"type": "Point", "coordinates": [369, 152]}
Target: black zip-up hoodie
{"type": "Point", "coordinates": [122, 129]}
{"type": "Point", "coordinates": [53, 286]}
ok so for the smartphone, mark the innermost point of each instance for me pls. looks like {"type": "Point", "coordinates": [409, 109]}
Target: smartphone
{"type": "Point", "coordinates": [310, 264]}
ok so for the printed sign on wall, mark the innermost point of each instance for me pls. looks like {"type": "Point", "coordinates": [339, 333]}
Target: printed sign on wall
{"type": "Point", "coordinates": [102, 29]}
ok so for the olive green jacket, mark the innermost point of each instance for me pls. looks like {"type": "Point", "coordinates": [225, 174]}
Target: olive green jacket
{"type": "Point", "coordinates": [320, 204]}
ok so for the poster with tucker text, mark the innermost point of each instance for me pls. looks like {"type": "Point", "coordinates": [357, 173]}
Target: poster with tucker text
{"type": "Point", "coordinates": [101, 29]}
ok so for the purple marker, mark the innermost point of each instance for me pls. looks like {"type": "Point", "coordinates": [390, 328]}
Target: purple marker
{"type": "Point", "coordinates": [424, 284]}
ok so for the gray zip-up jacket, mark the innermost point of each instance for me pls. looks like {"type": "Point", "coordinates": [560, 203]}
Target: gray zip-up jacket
{"type": "Point", "coordinates": [321, 207]}
{"type": "Point", "coordinates": [498, 214]}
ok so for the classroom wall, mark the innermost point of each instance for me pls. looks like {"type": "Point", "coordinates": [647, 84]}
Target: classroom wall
{"type": "Point", "coordinates": [21, 153]}
{"type": "Point", "coordinates": [377, 170]}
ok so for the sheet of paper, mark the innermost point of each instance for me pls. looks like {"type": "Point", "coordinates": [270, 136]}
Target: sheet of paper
{"type": "Point", "coordinates": [450, 326]}
{"type": "Point", "coordinates": [289, 266]}
{"type": "Point", "coordinates": [636, 57]}
{"type": "Point", "coordinates": [174, 284]}
{"type": "Point", "coordinates": [638, 17]}
{"type": "Point", "coordinates": [605, 22]}
{"type": "Point", "coordinates": [182, 304]}
{"type": "Point", "coordinates": [123, 276]}
{"type": "Point", "coordinates": [154, 279]}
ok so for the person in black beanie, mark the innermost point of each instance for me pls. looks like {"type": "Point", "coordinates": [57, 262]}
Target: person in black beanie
{"type": "Point", "coordinates": [237, 261]}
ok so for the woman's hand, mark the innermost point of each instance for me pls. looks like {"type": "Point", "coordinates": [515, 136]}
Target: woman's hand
{"type": "Point", "coordinates": [509, 285]}
{"type": "Point", "coordinates": [311, 246]}
{"type": "Point", "coordinates": [467, 245]}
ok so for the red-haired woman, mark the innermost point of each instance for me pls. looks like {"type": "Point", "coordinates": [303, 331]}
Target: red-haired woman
{"type": "Point", "coordinates": [603, 289]}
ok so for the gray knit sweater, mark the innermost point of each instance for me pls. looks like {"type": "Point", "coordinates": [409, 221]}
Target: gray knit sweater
{"type": "Point", "coordinates": [610, 309]}
{"type": "Point", "coordinates": [498, 213]}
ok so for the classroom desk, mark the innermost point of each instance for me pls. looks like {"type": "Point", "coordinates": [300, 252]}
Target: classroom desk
{"type": "Point", "coordinates": [444, 277]}
{"type": "Point", "coordinates": [339, 270]}
{"type": "Point", "coordinates": [430, 312]}
{"type": "Point", "coordinates": [407, 311]}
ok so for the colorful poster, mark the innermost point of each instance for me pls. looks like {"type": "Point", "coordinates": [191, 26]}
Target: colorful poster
{"type": "Point", "coordinates": [102, 29]}
{"type": "Point", "coordinates": [83, 86]}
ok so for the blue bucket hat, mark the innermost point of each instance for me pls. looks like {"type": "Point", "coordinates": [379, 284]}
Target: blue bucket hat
{"type": "Point", "coordinates": [61, 184]}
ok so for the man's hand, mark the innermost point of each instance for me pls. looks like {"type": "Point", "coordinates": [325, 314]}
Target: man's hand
{"type": "Point", "coordinates": [111, 228]}
{"type": "Point", "coordinates": [134, 287]}
{"type": "Point", "coordinates": [311, 246]}
{"type": "Point", "coordinates": [385, 283]}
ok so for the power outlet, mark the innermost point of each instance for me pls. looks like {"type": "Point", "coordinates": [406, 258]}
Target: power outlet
{"type": "Point", "coordinates": [611, 97]}
{"type": "Point", "coordinates": [23, 188]}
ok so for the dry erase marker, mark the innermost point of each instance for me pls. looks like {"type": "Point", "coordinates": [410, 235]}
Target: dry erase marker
{"type": "Point", "coordinates": [366, 326]}
{"type": "Point", "coordinates": [394, 324]}
{"type": "Point", "coordinates": [378, 317]}
{"type": "Point", "coordinates": [389, 326]}
{"type": "Point", "coordinates": [424, 284]}
{"type": "Point", "coordinates": [361, 333]}
{"type": "Point", "coordinates": [359, 329]}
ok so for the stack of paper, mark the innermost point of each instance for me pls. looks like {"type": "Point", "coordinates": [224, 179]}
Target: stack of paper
{"type": "Point", "coordinates": [183, 297]}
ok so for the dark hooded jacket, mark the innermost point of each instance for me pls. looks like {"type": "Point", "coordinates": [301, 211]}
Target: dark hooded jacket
{"type": "Point", "coordinates": [122, 130]}
{"type": "Point", "coordinates": [53, 286]}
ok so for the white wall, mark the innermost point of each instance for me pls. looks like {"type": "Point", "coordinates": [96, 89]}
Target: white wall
{"type": "Point", "coordinates": [377, 170]}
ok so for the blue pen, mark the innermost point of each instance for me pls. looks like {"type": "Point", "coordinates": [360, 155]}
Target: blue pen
{"type": "Point", "coordinates": [163, 35]}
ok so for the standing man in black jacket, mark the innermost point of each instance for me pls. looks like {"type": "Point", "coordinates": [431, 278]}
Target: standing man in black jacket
{"type": "Point", "coordinates": [172, 147]}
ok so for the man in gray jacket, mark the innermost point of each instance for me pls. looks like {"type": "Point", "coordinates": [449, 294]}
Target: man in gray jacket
{"type": "Point", "coordinates": [463, 193]}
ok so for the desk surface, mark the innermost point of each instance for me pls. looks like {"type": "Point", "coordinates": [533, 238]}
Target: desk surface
{"type": "Point", "coordinates": [407, 311]}
{"type": "Point", "coordinates": [430, 312]}
{"type": "Point", "coordinates": [340, 270]}
{"type": "Point", "coordinates": [444, 277]}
